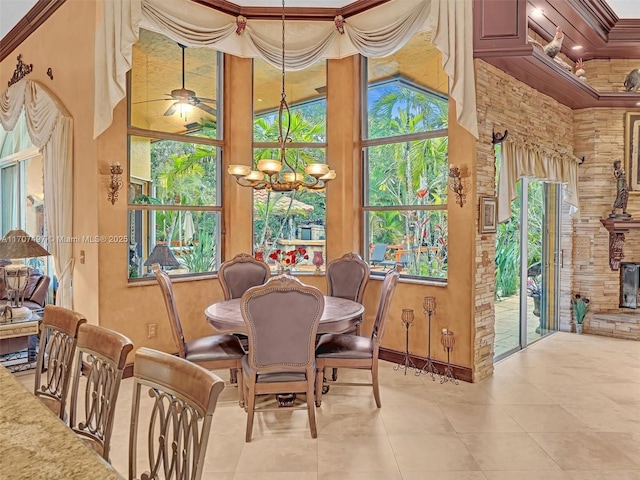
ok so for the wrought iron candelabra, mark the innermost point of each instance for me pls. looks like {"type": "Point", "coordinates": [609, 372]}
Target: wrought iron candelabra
{"type": "Point", "coordinates": [429, 306]}
{"type": "Point", "coordinates": [407, 321]}
{"type": "Point", "coordinates": [448, 342]}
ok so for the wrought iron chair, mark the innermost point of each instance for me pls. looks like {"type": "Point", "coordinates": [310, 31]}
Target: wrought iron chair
{"type": "Point", "coordinates": [184, 396]}
{"type": "Point", "coordinates": [352, 351]}
{"type": "Point", "coordinates": [101, 354]}
{"type": "Point", "coordinates": [212, 352]}
{"type": "Point", "coordinates": [282, 319]}
{"type": "Point", "coordinates": [57, 344]}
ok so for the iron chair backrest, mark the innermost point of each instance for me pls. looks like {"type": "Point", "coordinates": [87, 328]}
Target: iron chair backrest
{"type": "Point", "coordinates": [103, 354]}
{"type": "Point", "coordinates": [386, 295]}
{"type": "Point", "coordinates": [282, 318]}
{"type": "Point", "coordinates": [57, 345]}
{"type": "Point", "coordinates": [379, 251]}
{"type": "Point", "coordinates": [184, 399]}
{"type": "Point", "coordinates": [347, 277]}
{"type": "Point", "coordinates": [240, 274]}
{"type": "Point", "coordinates": [166, 287]}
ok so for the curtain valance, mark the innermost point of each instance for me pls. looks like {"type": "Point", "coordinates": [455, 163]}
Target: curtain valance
{"type": "Point", "coordinates": [523, 159]}
{"type": "Point", "coordinates": [50, 128]}
{"type": "Point", "coordinates": [377, 32]}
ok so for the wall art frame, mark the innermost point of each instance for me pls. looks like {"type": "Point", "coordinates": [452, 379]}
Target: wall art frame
{"type": "Point", "coordinates": [632, 150]}
{"type": "Point", "coordinates": [488, 220]}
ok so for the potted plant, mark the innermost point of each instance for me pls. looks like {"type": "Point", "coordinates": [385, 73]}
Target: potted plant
{"type": "Point", "coordinates": [579, 307]}
{"type": "Point", "coordinates": [534, 290]}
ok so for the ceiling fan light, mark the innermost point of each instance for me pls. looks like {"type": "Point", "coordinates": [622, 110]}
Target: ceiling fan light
{"type": "Point", "coordinates": [330, 175]}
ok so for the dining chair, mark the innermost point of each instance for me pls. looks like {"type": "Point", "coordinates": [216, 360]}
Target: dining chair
{"type": "Point", "coordinates": [353, 351]}
{"type": "Point", "coordinates": [184, 397]}
{"type": "Point", "coordinates": [58, 337]}
{"type": "Point", "coordinates": [213, 351]}
{"type": "Point", "coordinates": [282, 318]}
{"type": "Point", "coordinates": [101, 355]}
{"type": "Point", "coordinates": [240, 274]}
{"type": "Point", "coordinates": [347, 277]}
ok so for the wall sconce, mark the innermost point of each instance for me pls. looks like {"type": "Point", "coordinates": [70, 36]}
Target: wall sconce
{"type": "Point", "coordinates": [455, 184]}
{"type": "Point", "coordinates": [116, 182]}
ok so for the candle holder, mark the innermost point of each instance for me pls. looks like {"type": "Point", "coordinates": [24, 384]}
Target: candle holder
{"type": "Point", "coordinates": [429, 306]}
{"type": "Point", "coordinates": [448, 342]}
{"type": "Point", "coordinates": [318, 261]}
{"type": "Point", "coordinates": [407, 321]}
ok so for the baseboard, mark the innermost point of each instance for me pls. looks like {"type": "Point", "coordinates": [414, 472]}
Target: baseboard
{"type": "Point", "coordinates": [461, 373]}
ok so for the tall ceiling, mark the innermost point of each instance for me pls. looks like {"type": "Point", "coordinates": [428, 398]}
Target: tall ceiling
{"type": "Point", "coordinates": [11, 11]}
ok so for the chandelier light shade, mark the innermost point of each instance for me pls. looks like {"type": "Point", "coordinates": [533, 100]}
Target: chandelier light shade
{"type": "Point", "coordinates": [280, 174]}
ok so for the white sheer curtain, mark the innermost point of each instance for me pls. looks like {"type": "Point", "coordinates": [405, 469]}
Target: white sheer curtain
{"type": "Point", "coordinates": [50, 128]}
{"type": "Point", "coordinates": [377, 32]}
{"type": "Point", "coordinates": [523, 159]}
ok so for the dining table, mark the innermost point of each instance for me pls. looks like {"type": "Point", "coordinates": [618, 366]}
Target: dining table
{"type": "Point", "coordinates": [340, 315]}
{"type": "Point", "coordinates": [34, 443]}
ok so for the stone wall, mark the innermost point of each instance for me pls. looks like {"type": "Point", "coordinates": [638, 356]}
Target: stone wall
{"type": "Point", "coordinates": [506, 103]}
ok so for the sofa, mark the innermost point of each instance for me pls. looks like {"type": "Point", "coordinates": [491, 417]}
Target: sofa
{"type": "Point", "coordinates": [35, 297]}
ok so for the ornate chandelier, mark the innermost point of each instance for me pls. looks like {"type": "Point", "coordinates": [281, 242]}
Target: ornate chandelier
{"type": "Point", "coordinates": [279, 174]}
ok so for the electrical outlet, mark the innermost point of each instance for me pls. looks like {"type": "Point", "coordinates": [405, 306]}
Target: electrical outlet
{"type": "Point", "coordinates": [153, 330]}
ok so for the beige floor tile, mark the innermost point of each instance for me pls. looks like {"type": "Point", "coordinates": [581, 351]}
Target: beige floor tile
{"type": "Point", "coordinates": [584, 450]}
{"type": "Point", "coordinates": [273, 476]}
{"type": "Point", "coordinates": [545, 418]}
{"type": "Point", "coordinates": [479, 418]}
{"type": "Point", "coordinates": [355, 453]}
{"type": "Point", "coordinates": [628, 443]}
{"type": "Point", "coordinates": [507, 451]}
{"type": "Point", "coordinates": [604, 475]}
{"type": "Point", "coordinates": [428, 419]}
{"type": "Point", "coordinates": [431, 452]}
{"type": "Point", "coordinates": [279, 454]}
{"type": "Point", "coordinates": [524, 475]}
{"type": "Point", "coordinates": [621, 393]}
{"type": "Point", "coordinates": [443, 476]}
{"type": "Point", "coordinates": [360, 476]}
{"type": "Point", "coordinates": [463, 394]}
{"type": "Point", "coordinates": [345, 424]}
{"type": "Point", "coordinates": [415, 395]}
{"type": "Point", "coordinates": [607, 418]}
{"type": "Point", "coordinates": [519, 394]}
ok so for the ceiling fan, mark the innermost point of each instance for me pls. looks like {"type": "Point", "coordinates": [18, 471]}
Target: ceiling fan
{"type": "Point", "coordinates": [183, 96]}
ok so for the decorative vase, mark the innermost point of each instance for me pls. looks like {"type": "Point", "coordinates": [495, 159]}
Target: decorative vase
{"type": "Point", "coordinates": [579, 328]}
{"type": "Point", "coordinates": [318, 260]}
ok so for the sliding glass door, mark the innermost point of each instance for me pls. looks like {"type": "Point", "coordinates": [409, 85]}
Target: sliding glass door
{"type": "Point", "coordinates": [527, 249]}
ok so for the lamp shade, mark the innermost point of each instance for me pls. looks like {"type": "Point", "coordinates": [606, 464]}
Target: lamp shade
{"type": "Point", "coordinates": [18, 244]}
{"type": "Point", "coordinates": [162, 255]}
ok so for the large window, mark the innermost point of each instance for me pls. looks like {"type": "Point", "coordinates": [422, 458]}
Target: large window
{"type": "Point", "coordinates": [174, 157]}
{"type": "Point", "coordinates": [405, 170]}
{"type": "Point", "coordinates": [288, 220]}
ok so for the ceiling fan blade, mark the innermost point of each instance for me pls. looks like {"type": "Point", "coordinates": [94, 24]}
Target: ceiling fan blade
{"type": "Point", "coordinates": [171, 110]}
{"type": "Point", "coordinates": [207, 100]}
{"type": "Point", "coordinates": [206, 108]}
{"type": "Point", "coordinates": [154, 100]}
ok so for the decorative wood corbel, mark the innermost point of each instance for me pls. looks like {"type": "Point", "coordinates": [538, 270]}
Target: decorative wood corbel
{"type": "Point", "coordinates": [617, 229]}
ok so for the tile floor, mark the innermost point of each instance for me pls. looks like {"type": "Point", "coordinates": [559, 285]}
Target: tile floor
{"type": "Point", "coordinates": [567, 408]}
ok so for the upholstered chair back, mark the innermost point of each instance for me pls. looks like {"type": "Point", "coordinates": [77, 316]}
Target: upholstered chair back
{"type": "Point", "coordinates": [386, 295]}
{"type": "Point", "coordinates": [102, 354]}
{"type": "Point", "coordinates": [184, 397]}
{"type": "Point", "coordinates": [172, 310]}
{"type": "Point", "coordinates": [347, 277]}
{"type": "Point", "coordinates": [240, 274]}
{"type": "Point", "coordinates": [282, 318]}
{"type": "Point", "coordinates": [55, 356]}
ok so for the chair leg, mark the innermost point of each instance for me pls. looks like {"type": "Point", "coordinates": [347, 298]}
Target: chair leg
{"type": "Point", "coordinates": [334, 375]}
{"type": "Point", "coordinates": [250, 402]}
{"type": "Point", "coordinates": [374, 381]}
{"type": "Point", "coordinates": [240, 386]}
{"type": "Point", "coordinates": [311, 408]}
{"type": "Point", "coordinates": [233, 378]}
{"type": "Point", "coordinates": [319, 381]}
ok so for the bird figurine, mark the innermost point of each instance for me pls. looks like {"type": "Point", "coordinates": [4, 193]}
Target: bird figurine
{"type": "Point", "coordinates": [553, 47]}
{"type": "Point", "coordinates": [632, 82]}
